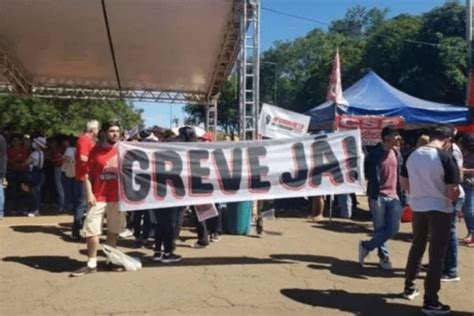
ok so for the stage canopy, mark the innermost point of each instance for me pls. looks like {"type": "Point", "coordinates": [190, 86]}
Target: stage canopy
{"type": "Point", "coordinates": [160, 50]}
{"type": "Point", "coordinates": [373, 96]}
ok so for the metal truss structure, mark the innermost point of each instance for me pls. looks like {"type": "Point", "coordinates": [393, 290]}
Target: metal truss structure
{"type": "Point", "coordinates": [131, 95]}
{"type": "Point", "coordinates": [14, 76]}
{"type": "Point", "coordinates": [249, 69]}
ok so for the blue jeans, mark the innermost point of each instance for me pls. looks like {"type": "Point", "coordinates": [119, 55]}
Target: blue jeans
{"type": "Point", "coordinates": [386, 213]}
{"type": "Point", "coordinates": [345, 205]}
{"type": "Point", "coordinates": [68, 187]}
{"type": "Point", "coordinates": [59, 187]}
{"type": "Point", "coordinates": [451, 260]}
{"type": "Point", "coordinates": [468, 208]}
{"type": "Point", "coordinates": [36, 191]}
{"type": "Point", "coordinates": [79, 203]}
{"type": "Point", "coordinates": [2, 198]}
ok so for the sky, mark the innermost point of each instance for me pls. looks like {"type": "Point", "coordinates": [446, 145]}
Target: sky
{"type": "Point", "coordinates": [277, 27]}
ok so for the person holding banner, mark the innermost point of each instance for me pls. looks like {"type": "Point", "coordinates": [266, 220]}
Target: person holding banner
{"type": "Point", "coordinates": [169, 220]}
{"type": "Point", "coordinates": [101, 186]}
{"type": "Point", "coordinates": [382, 168]}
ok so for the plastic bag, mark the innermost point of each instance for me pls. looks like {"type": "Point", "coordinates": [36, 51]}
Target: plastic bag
{"type": "Point", "coordinates": [119, 258]}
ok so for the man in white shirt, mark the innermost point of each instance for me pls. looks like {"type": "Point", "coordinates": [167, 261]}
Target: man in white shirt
{"type": "Point", "coordinates": [431, 177]}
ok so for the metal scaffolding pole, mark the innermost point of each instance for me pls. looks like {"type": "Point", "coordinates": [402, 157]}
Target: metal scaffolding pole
{"type": "Point", "coordinates": [249, 69]}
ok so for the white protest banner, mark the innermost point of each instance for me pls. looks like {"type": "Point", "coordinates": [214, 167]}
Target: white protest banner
{"type": "Point", "coordinates": [370, 126]}
{"type": "Point", "coordinates": [277, 123]}
{"type": "Point", "coordinates": [205, 211]}
{"type": "Point", "coordinates": [157, 175]}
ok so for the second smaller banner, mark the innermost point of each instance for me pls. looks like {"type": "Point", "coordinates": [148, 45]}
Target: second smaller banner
{"type": "Point", "coordinates": [278, 123]}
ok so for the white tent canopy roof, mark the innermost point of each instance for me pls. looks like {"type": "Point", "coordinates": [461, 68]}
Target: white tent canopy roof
{"type": "Point", "coordinates": [179, 50]}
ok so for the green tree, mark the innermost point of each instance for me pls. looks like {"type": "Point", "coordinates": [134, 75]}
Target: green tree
{"type": "Point", "coordinates": [359, 21]}
{"type": "Point", "coordinates": [53, 116]}
{"type": "Point", "coordinates": [424, 56]}
{"type": "Point", "coordinates": [227, 109]}
{"type": "Point", "coordinates": [390, 55]}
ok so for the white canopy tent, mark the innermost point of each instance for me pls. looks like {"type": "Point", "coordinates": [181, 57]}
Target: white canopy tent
{"type": "Point", "coordinates": [141, 50]}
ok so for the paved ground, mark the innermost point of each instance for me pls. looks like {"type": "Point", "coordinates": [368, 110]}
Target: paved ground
{"type": "Point", "coordinates": [296, 268]}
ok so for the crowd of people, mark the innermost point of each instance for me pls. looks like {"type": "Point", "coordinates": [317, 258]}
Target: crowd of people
{"type": "Point", "coordinates": [83, 175]}
{"type": "Point", "coordinates": [435, 180]}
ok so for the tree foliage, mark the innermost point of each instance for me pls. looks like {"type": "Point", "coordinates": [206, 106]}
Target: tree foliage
{"type": "Point", "coordinates": [52, 116]}
{"type": "Point", "coordinates": [394, 48]}
{"type": "Point", "coordinates": [227, 109]}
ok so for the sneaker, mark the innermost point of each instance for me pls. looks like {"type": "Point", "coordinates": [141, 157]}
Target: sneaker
{"type": "Point", "coordinates": [470, 244]}
{"type": "Point", "coordinates": [411, 294]}
{"type": "Point", "coordinates": [157, 256]}
{"type": "Point", "coordinates": [75, 237]}
{"type": "Point", "coordinates": [362, 253]}
{"type": "Point", "coordinates": [83, 271]}
{"type": "Point", "coordinates": [447, 278]}
{"type": "Point", "coordinates": [126, 233]}
{"type": "Point", "coordinates": [33, 214]}
{"type": "Point", "coordinates": [436, 309]}
{"type": "Point", "coordinates": [109, 266]}
{"type": "Point", "coordinates": [198, 245]}
{"type": "Point", "coordinates": [138, 243]}
{"type": "Point", "coordinates": [170, 258]}
{"type": "Point", "coordinates": [216, 237]}
{"type": "Point", "coordinates": [385, 264]}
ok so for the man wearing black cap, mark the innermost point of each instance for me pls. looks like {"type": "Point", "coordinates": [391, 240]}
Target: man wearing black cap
{"type": "Point", "coordinates": [382, 168]}
{"type": "Point", "coordinates": [431, 177]}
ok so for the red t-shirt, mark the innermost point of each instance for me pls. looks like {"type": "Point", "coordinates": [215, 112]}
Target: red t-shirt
{"type": "Point", "coordinates": [103, 173]}
{"type": "Point", "coordinates": [388, 174]}
{"type": "Point", "coordinates": [17, 157]}
{"type": "Point", "coordinates": [84, 145]}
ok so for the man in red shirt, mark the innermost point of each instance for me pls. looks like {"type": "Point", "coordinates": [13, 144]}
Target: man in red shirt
{"type": "Point", "coordinates": [84, 145]}
{"type": "Point", "coordinates": [101, 185]}
{"type": "Point", "coordinates": [382, 167]}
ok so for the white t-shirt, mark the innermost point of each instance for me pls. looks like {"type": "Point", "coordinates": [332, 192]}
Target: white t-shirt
{"type": "Point", "coordinates": [37, 159]}
{"type": "Point", "coordinates": [429, 171]}
{"type": "Point", "coordinates": [70, 153]}
{"type": "Point", "coordinates": [457, 154]}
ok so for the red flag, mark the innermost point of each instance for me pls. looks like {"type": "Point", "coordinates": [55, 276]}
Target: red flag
{"type": "Point", "coordinates": [470, 102]}
{"type": "Point", "coordinates": [335, 87]}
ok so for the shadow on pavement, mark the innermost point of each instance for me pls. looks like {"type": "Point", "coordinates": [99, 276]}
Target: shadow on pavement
{"type": "Point", "coordinates": [355, 303]}
{"type": "Point", "coordinates": [54, 264]}
{"type": "Point", "coordinates": [212, 261]}
{"type": "Point", "coordinates": [50, 230]}
{"type": "Point", "coordinates": [344, 227]}
{"type": "Point", "coordinates": [357, 228]}
{"type": "Point", "coordinates": [343, 268]}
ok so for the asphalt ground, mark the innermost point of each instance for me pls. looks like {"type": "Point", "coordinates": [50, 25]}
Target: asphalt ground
{"type": "Point", "coordinates": [297, 267]}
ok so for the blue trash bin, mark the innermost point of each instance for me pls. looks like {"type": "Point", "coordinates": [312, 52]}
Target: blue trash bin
{"type": "Point", "coordinates": [238, 218]}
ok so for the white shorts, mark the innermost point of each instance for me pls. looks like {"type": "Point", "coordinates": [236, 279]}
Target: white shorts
{"type": "Point", "coordinates": [95, 218]}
